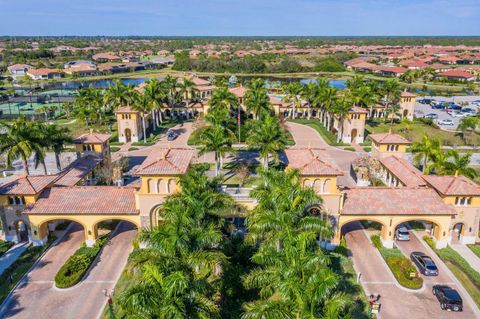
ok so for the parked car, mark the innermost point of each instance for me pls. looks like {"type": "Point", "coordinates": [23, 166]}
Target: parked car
{"type": "Point", "coordinates": [425, 264]}
{"type": "Point", "coordinates": [171, 135]}
{"type": "Point", "coordinates": [402, 234]}
{"type": "Point", "coordinates": [453, 106]}
{"type": "Point", "coordinates": [431, 116]}
{"type": "Point", "coordinates": [445, 122]}
{"type": "Point", "coordinates": [425, 101]}
{"type": "Point", "coordinates": [469, 111]}
{"type": "Point", "coordinates": [448, 297]}
{"type": "Point", "coordinates": [457, 114]}
{"type": "Point", "coordinates": [437, 105]}
{"type": "Point", "coordinates": [476, 102]}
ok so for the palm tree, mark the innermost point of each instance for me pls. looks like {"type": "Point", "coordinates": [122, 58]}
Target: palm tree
{"type": "Point", "coordinates": [467, 125]}
{"type": "Point", "coordinates": [327, 98]}
{"type": "Point", "coordinates": [213, 139]}
{"type": "Point", "coordinates": [171, 86]}
{"type": "Point", "coordinates": [355, 82]}
{"type": "Point", "coordinates": [56, 138]}
{"type": "Point", "coordinates": [425, 151]}
{"type": "Point", "coordinates": [189, 90]}
{"type": "Point", "coordinates": [309, 93]}
{"type": "Point", "coordinates": [18, 142]}
{"type": "Point", "coordinates": [459, 164]}
{"type": "Point", "coordinates": [222, 98]}
{"type": "Point", "coordinates": [268, 137]}
{"type": "Point", "coordinates": [142, 104]}
{"type": "Point", "coordinates": [292, 277]}
{"type": "Point", "coordinates": [155, 94]}
{"type": "Point", "coordinates": [391, 91]}
{"type": "Point", "coordinates": [256, 98]}
{"type": "Point", "coordinates": [174, 275]}
{"type": "Point", "coordinates": [117, 95]}
{"type": "Point", "coordinates": [293, 91]}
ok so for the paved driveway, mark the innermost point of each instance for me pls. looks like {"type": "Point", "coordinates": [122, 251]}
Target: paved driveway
{"type": "Point", "coordinates": [37, 298]}
{"type": "Point", "coordinates": [396, 303]}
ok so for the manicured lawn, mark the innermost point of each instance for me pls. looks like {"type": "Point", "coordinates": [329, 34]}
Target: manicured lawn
{"type": "Point", "coordinates": [469, 277]}
{"type": "Point", "coordinates": [415, 130]}
{"type": "Point", "coordinates": [476, 249]}
{"type": "Point", "coordinates": [400, 265]}
{"type": "Point", "coordinates": [328, 136]}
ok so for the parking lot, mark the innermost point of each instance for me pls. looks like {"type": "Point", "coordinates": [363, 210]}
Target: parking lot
{"type": "Point", "coordinates": [423, 109]}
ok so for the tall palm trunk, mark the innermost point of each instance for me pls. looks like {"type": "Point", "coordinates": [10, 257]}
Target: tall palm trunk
{"type": "Point", "coordinates": [57, 161]}
{"type": "Point", "coordinates": [26, 171]}
{"type": "Point", "coordinates": [144, 128]}
{"type": "Point", "coordinates": [309, 112]}
{"type": "Point", "coordinates": [265, 162]}
{"type": "Point", "coordinates": [216, 163]}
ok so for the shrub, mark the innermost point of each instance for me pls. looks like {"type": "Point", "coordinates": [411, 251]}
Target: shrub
{"type": "Point", "coordinates": [429, 241]}
{"type": "Point", "coordinates": [342, 248]}
{"type": "Point", "coordinates": [114, 149]}
{"type": "Point", "coordinates": [367, 149]}
{"type": "Point", "coordinates": [78, 264]}
{"type": "Point", "coordinates": [401, 268]}
{"type": "Point", "coordinates": [133, 149]}
{"type": "Point", "coordinates": [376, 241]}
{"type": "Point", "coordinates": [4, 246]}
{"type": "Point", "coordinates": [349, 148]}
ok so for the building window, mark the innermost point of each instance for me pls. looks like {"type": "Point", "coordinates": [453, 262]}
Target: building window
{"type": "Point", "coordinates": [16, 200]}
{"type": "Point", "coordinates": [463, 201]}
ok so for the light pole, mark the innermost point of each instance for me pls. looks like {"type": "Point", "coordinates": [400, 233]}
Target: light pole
{"type": "Point", "coordinates": [109, 295]}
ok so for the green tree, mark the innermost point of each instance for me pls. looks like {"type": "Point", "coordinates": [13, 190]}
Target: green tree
{"type": "Point", "coordinates": [425, 151]}
{"type": "Point", "coordinates": [256, 98]}
{"type": "Point", "coordinates": [213, 139]}
{"type": "Point", "coordinates": [143, 105]}
{"type": "Point", "coordinates": [293, 90]}
{"type": "Point", "coordinates": [268, 137]}
{"type": "Point", "coordinates": [189, 91]}
{"type": "Point", "coordinates": [222, 98]}
{"type": "Point", "coordinates": [467, 125]}
{"type": "Point", "coordinates": [57, 138]}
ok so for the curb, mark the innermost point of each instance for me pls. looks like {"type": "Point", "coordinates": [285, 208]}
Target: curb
{"type": "Point", "coordinates": [465, 293]}
{"type": "Point", "coordinates": [9, 296]}
{"type": "Point", "coordinates": [78, 284]}
{"type": "Point", "coordinates": [395, 281]}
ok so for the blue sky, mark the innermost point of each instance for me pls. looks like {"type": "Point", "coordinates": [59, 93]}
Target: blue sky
{"type": "Point", "coordinates": [240, 17]}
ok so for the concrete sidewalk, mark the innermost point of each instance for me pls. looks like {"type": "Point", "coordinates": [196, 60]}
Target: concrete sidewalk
{"type": "Point", "coordinates": [11, 255]}
{"type": "Point", "coordinates": [468, 255]}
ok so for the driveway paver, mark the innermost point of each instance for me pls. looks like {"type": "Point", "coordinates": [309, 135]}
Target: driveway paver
{"type": "Point", "coordinates": [396, 303]}
{"type": "Point", "coordinates": [37, 297]}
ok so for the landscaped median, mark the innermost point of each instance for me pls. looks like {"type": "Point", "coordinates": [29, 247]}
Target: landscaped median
{"type": "Point", "coordinates": [401, 267]}
{"type": "Point", "coordinates": [468, 276]}
{"type": "Point", "coordinates": [4, 246]}
{"type": "Point", "coordinates": [475, 248]}
{"type": "Point", "coordinates": [78, 264]}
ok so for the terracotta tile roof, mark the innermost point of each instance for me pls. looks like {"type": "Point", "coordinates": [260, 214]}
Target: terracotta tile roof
{"type": "Point", "coordinates": [16, 67]}
{"type": "Point", "coordinates": [357, 109]}
{"type": "Point", "coordinates": [312, 162]}
{"type": "Point", "coordinates": [165, 161]}
{"type": "Point", "coordinates": [404, 171]}
{"type": "Point", "coordinates": [456, 74]}
{"type": "Point", "coordinates": [27, 185]}
{"type": "Point", "coordinates": [453, 185]}
{"type": "Point", "coordinates": [274, 100]}
{"type": "Point", "coordinates": [238, 91]}
{"type": "Point", "coordinates": [92, 138]}
{"type": "Point", "coordinates": [77, 170]}
{"type": "Point", "coordinates": [408, 94]}
{"type": "Point", "coordinates": [394, 201]}
{"type": "Point", "coordinates": [86, 200]}
{"type": "Point", "coordinates": [393, 69]}
{"type": "Point", "coordinates": [388, 138]}
{"type": "Point", "coordinates": [125, 109]}
{"type": "Point", "coordinates": [42, 71]}
{"type": "Point", "coordinates": [105, 56]}
{"type": "Point", "coordinates": [414, 64]}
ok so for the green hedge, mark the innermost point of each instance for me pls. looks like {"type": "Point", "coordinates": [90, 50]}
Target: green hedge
{"type": "Point", "coordinates": [475, 249]}
{"type": "Point", "coordinates": [4, 246]}
{"type": "Point", "coordinates": [133, 149]}
{"type": "Point", "coordinates": [376, 241]}
{"type": "Point", "coordinates": [400, 266]}
{"type": "Point", "coordinates": [367, 149]}
{"type": "Point", "coordinates": [114, 149]}
{"type": "Point", "coordinates": [78, 264]}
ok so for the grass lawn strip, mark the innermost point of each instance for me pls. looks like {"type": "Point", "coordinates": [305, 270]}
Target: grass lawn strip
{"type": "Point", "coordinates": [11, 275]}
{"type": "Point", "coordinates": [468, 276]}
{"type": "Point", "coordinates": [399, 265]}
{"type": "Point", "coordinates": [475, 248]}
{"type": "Point", "coordinates": [5, 246]}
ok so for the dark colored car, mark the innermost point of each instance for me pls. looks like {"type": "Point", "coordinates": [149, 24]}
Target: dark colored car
{"type": "Point", "coordinates": [425, 264]}
{"type": "Point", "coordinates": [425, 101]}
{"type": "Point", "coordinates": [448, 297]}
{"type": "Point", "coordinates": [171, 136]}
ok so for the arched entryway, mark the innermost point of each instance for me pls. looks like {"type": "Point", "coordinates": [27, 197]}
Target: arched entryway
{"type": "Point", "coordinates": [457, 232]}
{"type": "Point", "coordinates": [22, 231]}
{"type": "Point", "coordinates": [128, 135]}
{"type": "Point", "coordinates": [53, 229]}
{"type": "Point", "coordinates": [113, 227]}
{"type": "Point", "coordinates": [405, 113]}
{"type": "Point", "coordinates": [353, 135]}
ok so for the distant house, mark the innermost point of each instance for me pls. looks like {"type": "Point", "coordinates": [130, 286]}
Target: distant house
{"type": "Point", "coordinates": [448, 59]}
{"type": "Point", "coordinates": [19, 69]}
{"type": "Point", "coordinates": [413, 64]}
{"type": "Point", "coordinates": [44, 74]}
{"type": "Point", "coordinates": [106, 57]}
{"type": "Point", "coordinates": [82, 70]}
{"type": "Point", "coordinates": [392, 70]}
{"type": "Point", "coordinates": [78, 63]}
{"type": "Point", "coordinates": [457, 75]}
{"type": "Point", "coordinates": [164, 52]}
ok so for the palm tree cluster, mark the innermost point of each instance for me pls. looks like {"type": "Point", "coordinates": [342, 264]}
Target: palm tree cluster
{"type": "Point", "coordinates": [292, 276]}
{"type": "Point", "coordinates": [20, 139]}
{"type": "Point", "coordinates": [430, 156]}
{"type": "Point", "coordinates": [93, 105]}
{"type": "Point", "coordinates": [264, 132]}
{"type": "Point", "coordinates": [177, 274]}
